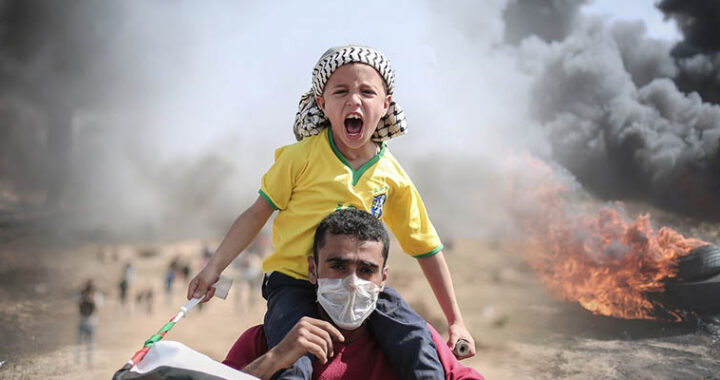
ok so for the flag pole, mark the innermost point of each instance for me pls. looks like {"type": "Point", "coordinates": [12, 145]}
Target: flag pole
{"type": "Point", "coordinates": [222, 287]}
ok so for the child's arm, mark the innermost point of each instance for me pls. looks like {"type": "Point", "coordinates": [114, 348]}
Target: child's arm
{"type": "Point", "coordinates": [438, 275]}
{"type": "Point", "coordinates": [240, 235]}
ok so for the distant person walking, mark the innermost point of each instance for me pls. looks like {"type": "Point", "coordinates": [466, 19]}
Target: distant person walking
{"type": "Point", "coordinates": [186, 272]}
{"type": "Point", "coordinates": [170, 275]}
{"type": "Point", "coordinates": [89, 300]}
{"type": "Point", "coordinates": [128, 275]}
{"type": "Point", "coordinates": [149, 300]}
{"type": "Point", "coordinates": [123, 287]}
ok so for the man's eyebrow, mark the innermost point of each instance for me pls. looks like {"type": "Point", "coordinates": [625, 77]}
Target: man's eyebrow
{"type": "Point", "coordinates": [369, 263]}
{"type": "Point", "coordinates": [339, 260]}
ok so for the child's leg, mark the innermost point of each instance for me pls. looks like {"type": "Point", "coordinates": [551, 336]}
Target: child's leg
{"type": "Point", "coordinates": [405, 338]}
{"type": "Point", "coordinates": [289, 300]}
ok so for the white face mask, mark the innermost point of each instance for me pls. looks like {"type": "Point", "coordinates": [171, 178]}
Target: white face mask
{"type": "Point", "coordinates": [348, 301]}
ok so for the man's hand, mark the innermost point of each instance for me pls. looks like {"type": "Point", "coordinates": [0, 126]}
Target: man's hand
{"type": "Point", "coordinates": [458, 331]}
{"type": "Point", "coordinates": [309, 335]}
{"type": "Point", "coordinates": [202, 282]}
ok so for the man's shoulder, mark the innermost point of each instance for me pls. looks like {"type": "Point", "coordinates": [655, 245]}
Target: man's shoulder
{"type": "Point", "coordinates": [248, 347]}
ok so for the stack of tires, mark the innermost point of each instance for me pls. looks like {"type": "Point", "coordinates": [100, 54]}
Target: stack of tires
{"type": "Point", "coordinates": [697, 286]}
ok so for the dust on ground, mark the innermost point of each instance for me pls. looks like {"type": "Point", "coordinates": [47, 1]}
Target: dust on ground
{"type": "Point", "coordinates": [520, 331]}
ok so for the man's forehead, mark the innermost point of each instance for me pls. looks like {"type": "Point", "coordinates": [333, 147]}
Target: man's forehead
{"type": "Point", "coordinates": [349, 248]}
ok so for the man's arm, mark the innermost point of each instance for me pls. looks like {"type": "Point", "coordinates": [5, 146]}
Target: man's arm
{"type": "Point", "coordinates": [240, 235]}
{"type": "Point", "coordinates": [438, 275]}
{"type": "Point", "coordinates": [309, 335]}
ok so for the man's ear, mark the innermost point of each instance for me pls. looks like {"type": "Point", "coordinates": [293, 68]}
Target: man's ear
{"type": "Point", "coordinates": [312, 270]}
{"type": "Point", "coordinates": [320, 102]}
{"type": "Point", "coordinates": [384, 277]}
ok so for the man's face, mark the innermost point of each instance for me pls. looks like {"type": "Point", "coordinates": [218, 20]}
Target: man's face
{"type": "Point", "coordinates": [354, 100]}
{"type": "Point", "coordinates": [343, 255]}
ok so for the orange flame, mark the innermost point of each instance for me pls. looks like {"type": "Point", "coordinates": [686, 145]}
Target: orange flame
{"type": "Point", "coordinates": [610, 265]}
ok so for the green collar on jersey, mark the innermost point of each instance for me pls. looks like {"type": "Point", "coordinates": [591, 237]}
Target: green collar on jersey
{"type": "Point", "coordinates": [359, 172]}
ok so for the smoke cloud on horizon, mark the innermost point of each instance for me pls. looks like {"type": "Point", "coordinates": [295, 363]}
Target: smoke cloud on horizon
{"type": "Point", "coordinates": [159, 118]}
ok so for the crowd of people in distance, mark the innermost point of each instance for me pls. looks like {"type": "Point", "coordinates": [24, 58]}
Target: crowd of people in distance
{"type": "Point", "coordinates": [138, 296]}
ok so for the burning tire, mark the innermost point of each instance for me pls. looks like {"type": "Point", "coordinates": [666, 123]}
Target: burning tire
{"type": "Point", "coordinates": [700, 296]}
{"type": "Point", "coordinates": [702, 263]}
{"type": "Point", "coordinates": [697, 285]}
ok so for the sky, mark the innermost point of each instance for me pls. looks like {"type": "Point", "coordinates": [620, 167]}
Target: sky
{"type": "Point", "coordinates": [223, 73]}
{"type": "Point", "coordinates": [654, 20]}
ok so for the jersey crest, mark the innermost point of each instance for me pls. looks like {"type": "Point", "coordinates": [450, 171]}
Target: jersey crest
{"type": "Point", "coordinates": [376, 209]}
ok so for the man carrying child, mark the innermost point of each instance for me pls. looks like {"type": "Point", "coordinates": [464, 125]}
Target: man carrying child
{"type": "Point", "coordinates": [342, 161]}
{"type": "Point", "coordinates": [347, 269]}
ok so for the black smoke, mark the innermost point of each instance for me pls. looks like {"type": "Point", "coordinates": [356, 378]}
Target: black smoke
{"type": "Point", "coordinates": [697, 54]}
{"type": "Point", "coordinates": [48, 52]}
{"type": "Point", "coordinates": [626, 113]}
{"type": "Point", "coordinates": [80, 85]}
{"type": "Point", "coordinates": [698, 21]}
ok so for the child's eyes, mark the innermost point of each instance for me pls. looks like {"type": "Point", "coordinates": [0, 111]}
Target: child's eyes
{"type": "Point", "coordinates": [340, 92]}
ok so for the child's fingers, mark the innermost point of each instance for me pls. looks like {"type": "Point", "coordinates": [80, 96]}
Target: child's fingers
{"type": "Point", "coordinates": [192, 287]}
{"type": "Point", "coordinates": [199, 288]}
{"type": "Point", "coordinates": [462, 346]}
{"type": "Point", "coordinates": [463, 349]}
{"type": "Point", "coordinates": [210, 293]}
{"type": "Point", "coordinates": [202, 287]}
{"type": "Point", "coordinates": [199, 291]}
{"type": "Point", "coordinates": [452, 339]}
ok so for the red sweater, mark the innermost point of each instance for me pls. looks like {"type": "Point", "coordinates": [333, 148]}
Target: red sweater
{"type": "Point", "coordinates": [359, 359]}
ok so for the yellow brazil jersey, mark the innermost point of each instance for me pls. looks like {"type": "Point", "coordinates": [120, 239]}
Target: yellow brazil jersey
{"type": "Point", "coordinates": [310, 179]}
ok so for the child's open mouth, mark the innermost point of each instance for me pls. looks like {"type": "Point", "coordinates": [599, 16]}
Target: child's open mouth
{"type": "Point", "coordinates": [353, 125]}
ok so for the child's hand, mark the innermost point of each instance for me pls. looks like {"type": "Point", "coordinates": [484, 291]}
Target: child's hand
{"type": "Point", "coordinates": [458, 331]}
{"type": "Point", "coordinates": [202, 282]}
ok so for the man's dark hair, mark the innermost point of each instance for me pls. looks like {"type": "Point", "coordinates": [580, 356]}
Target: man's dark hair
{"type": "Point", "coordinates": [356, 223]}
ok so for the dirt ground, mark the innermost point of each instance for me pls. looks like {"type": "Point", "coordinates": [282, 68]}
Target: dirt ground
{"type": "Point", "coordinates": [521, 332]}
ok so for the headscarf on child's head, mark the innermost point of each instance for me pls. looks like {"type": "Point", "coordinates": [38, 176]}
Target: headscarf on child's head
{"type": "Point", "coordinates": [310, 119]}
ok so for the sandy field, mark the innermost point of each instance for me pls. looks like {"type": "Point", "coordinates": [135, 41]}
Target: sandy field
{"type": "Point", "coordinates": [520, 331]}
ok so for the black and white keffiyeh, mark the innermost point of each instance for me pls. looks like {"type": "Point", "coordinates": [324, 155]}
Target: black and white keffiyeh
{"type": "Point", "coordinates": [310, 119]}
